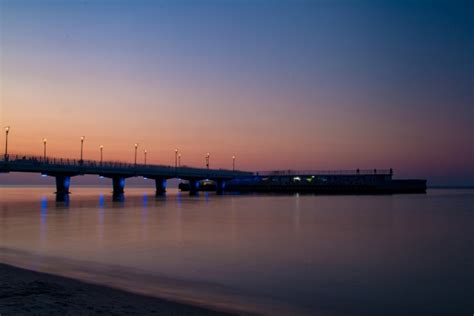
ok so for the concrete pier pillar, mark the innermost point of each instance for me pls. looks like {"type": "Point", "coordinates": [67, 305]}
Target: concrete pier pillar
{"type": "Point", "coordinates": [118, 185]}
{"type": "Point", "coordinates": [62, 184]}
{"type": "Point", "coordinates": [62, 198]}
{"type": "Point", "coordinates": [193, 187]}
{"type": "Point", "coordinates": [220, 185]}
{"type": "Point", "coordinates": [160, 184]}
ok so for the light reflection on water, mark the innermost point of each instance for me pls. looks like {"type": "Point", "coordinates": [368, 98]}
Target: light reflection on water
{"type": "Point", "coordinates": [295, 254]}
{"type": "Point", "coordinates": [43, 214]}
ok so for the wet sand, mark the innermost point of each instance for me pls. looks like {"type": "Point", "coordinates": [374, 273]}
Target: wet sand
{"type": "Point", "coordinates": [29, 292]}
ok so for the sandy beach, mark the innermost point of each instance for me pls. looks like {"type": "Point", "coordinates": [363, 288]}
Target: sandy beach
{"type": "Point", "coordinates": [28, 292]}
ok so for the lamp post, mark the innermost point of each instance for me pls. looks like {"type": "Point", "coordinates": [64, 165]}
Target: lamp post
{"type": "Point", "coordinates": [136, 148]}
{"type": "Point", "coordinates": [145, 152]}
{"type": "Point", "coordinates": [179, 160]}
{"type": "Point", "coordinates": [101, 154]}
{"type": "Point", "coordinates": [7, 129]}
{"type": "Point", "coordinates": [176, 158]}
{"type": "Point", "coordinates": [82, 147]}
{"type": "Point", "coordinates": [208, 156]}
{"type": "Point", "coordinates": [44, 148]}
{"type": "Point", "coordinates": [233, 163]}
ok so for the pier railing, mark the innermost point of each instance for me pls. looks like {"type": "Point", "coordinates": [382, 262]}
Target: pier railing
{"type": "Point", "coordinates": [325, 172]}
{"type": "Point", "coordinates": [77, 163]}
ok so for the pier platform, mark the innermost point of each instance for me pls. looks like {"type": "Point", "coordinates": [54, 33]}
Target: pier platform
{"type": "Point", "coordinates": [322, 182]}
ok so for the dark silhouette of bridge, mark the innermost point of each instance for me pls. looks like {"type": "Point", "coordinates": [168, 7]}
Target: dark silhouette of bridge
{"type": "Point", "coordinates": [63, 169]}
{"type": "Point", "coordinates": [374, 181]}
{"type": "Point", "coordinates": [286, 181]}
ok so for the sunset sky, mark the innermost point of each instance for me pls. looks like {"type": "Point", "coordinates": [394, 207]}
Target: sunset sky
{"type": "Point", "coordinates": [279, 84]}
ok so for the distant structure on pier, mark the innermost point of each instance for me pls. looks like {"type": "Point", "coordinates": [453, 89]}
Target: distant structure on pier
{"type": "Point", "coordinates": [357, 181]}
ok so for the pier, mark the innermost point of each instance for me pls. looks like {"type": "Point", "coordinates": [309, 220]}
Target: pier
{"type": "Point", "coordinates": [371, 181]}
{"type": "Point", "coordinates": [356, 181]}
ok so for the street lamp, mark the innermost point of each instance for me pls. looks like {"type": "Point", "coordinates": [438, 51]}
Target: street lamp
{"type": "Point", "coordinates": [7, 129]}
{"type": "Point", "coordinates": [82, 147]}
{"type": "Point", "coordinates": [44, 148]}
{"type": "Point", "coordinates": [176, 158]}
{"type": "Point", "coordinates": [101, 154]}
{"type": "Point", "coordinates": [145, 155]}
{"type": "Point", "coordinates": [179, 160]}
{"type": "Point", "coordinates": [233, 163]}
{"type": "Point", "coordinates": [208, 156]}
{"type": "Point", "coordinates": [136, 147]}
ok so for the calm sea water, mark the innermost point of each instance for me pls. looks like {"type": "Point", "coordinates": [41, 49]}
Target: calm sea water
{"type": "Point", "coordinates": [272, 254]}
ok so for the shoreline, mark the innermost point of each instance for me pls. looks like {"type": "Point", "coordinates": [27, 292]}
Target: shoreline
{"type": "Point", "coordinates": [25, 291]}
{"type": "Point", "coordinates": [213, 298]}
